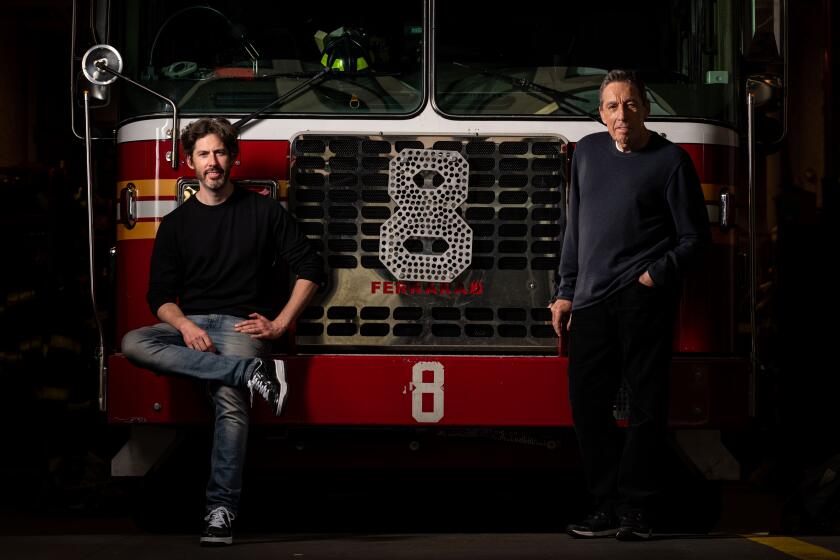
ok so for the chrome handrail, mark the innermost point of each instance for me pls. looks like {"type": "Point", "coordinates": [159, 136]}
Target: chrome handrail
{"type": "Point", "coordinates": [103, 374]}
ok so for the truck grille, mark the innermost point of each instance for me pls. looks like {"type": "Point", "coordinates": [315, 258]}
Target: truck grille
{"type": "Point", "coordinates": [515, 209]}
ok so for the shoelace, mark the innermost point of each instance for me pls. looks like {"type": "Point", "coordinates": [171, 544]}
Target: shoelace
{"type": "Point", "coordinates": [220, 517]}
{"type": "Point", "coordinates": [262, 386]}
{"type": "Point", "coordinates": [260, 383]}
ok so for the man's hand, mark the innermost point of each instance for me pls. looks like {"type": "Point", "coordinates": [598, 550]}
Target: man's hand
{"type": "Point", "coordinates": [646, 280]}
{"type": "Point", "coordinates": [260, 327]}
{"type": "Point", "coordinates": [559, 309]}
{"type": "Point", "coordinates": [195, 337]}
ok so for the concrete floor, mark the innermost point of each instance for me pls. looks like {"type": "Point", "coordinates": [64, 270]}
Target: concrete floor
{"type": "Point", "coordinates": [393, 514]}
{"type": "Point", "coordinates": [364, 525]}
{"type": "Point", "coordinates": [424, 546]}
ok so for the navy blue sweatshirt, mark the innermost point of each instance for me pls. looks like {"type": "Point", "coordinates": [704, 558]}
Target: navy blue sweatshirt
{"type": "Point", "coordinates": [628, 213]}
{"type": "Point", "coordinates": [222, 259]}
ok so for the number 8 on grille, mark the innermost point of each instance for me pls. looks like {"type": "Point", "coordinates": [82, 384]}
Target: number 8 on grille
{"type": "Point", "coordinates": [427, 186]}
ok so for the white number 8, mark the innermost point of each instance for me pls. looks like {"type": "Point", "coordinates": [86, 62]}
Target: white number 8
{"type": "Point", "coordinates": [421, 388]}
{"type": "Point", "coordinates": [427, 213]}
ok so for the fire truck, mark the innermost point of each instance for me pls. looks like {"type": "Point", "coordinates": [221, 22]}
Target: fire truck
{"type": "Point", "coordinates": [424, 148]}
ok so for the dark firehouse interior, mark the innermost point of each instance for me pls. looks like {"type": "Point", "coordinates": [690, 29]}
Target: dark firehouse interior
{"type": "Point", "coordinates": [57, 445]}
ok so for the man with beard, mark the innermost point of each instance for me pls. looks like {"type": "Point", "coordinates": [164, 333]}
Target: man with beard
{"type": "Point", "coordinates": [211, 284]}
{"type": "Point", "coordinates": [636, 220]}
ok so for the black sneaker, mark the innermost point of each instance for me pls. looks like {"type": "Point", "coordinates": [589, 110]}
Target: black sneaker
{"type": "Point", "coordinates": [633, 526]}
{"type": "Point", "coordinates": [599, 524]}
{"type": "Point", "coordinates": [269, 380]}
{"type": "Point", "coordinates": [217, 529]}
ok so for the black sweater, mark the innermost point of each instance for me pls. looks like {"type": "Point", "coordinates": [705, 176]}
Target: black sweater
{"type": "Point", "coordinates": [629, 212]}
{"type": "Point", "coordinates": [221, 259]}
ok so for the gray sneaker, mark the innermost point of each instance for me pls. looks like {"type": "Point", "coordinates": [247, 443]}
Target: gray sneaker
{"type": "Point", "coordinates": [218, 527]}
{"type": "Point", "coordinates": [269, 380]}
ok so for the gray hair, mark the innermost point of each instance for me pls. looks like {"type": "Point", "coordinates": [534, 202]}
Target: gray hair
{"type": "Point", "coordinates": [620, 75]}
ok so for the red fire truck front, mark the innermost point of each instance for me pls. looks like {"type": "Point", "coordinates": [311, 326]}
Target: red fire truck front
{"type": "Point", "coordinates": [424, 149]}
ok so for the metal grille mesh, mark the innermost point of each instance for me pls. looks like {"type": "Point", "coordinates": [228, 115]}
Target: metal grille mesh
{"type": "Point", "coordinates": [513, 203]}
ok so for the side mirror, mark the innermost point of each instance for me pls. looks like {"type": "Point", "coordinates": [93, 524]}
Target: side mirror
{"type": "Point", "coordinates": [101, 65]}
{"type": "Point", "coordinates": [768, 97]}
{"type": "Point", "coordinates": [98, 82]}
{"type": "Point", "coordinates": [766, 88]}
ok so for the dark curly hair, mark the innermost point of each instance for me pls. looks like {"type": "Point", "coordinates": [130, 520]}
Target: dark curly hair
{"type": "Point", "coordinates": [219, 126]}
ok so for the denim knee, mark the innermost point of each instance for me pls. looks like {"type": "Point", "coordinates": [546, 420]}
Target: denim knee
{"type": "Point", "coordinates": [131, 344]}
{"type": "Point", "coordinates": [230, 403]}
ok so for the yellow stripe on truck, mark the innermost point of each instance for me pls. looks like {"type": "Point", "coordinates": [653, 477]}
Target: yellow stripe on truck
{"type": "Point", "coordinates": [146, 188]}
{"type": "Point", "coordinates": [151, 187]}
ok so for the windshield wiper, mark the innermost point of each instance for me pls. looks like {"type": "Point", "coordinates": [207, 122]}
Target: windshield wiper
{"type": "Point", "coordinates": [321, 76]}
{"type": "Point", "coordinates": [295, 90]}
{"type": "Point", "coordinates": [561, 98]}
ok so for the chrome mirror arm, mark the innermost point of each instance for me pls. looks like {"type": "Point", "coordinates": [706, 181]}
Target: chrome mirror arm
{"type": "Point", "coordinates": [102, 65]}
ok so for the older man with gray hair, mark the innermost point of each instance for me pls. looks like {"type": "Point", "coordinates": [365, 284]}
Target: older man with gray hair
{"type": "Point", "coordinates": [636, 220]}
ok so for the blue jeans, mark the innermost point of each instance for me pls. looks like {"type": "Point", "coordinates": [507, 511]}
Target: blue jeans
{"type": "Point", "coordinates": [160, 348]}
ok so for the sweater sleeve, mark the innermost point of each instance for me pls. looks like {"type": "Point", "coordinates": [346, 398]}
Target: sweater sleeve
{"type": "Point", "coordinates": [165, 273]}
{"type": "Point", "coordinates": [684, 197]}
{"type": "Point", "coordinates": [569, 257]}
{"type": "Point", "coordinates": [296, 250]}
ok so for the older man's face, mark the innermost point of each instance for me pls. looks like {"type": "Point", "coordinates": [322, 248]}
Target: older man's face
{"type": "Point", "coordinates": [624, 112]}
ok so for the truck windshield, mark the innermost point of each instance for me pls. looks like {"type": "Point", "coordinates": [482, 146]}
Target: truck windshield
{"type": "Point", "coordinates": [548, 59]}
{"type": "Point", "coordinates": [234, 56]}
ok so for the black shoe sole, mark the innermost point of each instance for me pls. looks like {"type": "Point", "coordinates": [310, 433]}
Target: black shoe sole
{"type": "Point", "coordinates": [283, 386]}
{"type": "Point", "coordinates": [582, 534]}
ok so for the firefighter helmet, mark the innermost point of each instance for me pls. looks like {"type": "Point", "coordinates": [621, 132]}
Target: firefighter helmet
{"type": "Point", "coordinates": [344, 49]}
